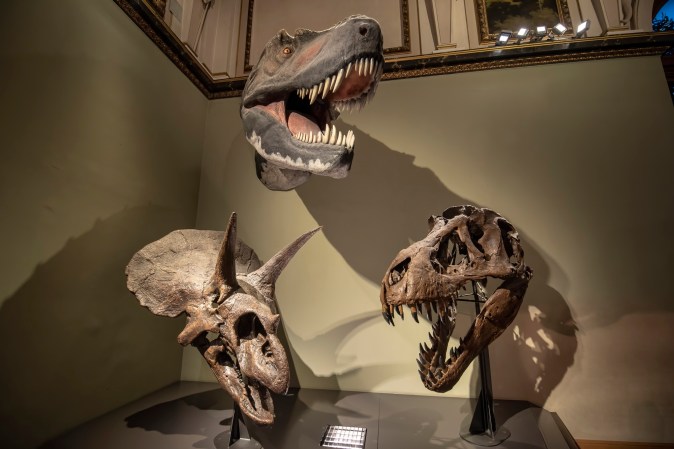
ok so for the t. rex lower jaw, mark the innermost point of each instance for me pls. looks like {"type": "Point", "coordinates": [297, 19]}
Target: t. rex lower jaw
{"type": "Point", "coordinates": [308, 112]}
{"type": "Point", "coordinates": [428, 275]}
{"type": "Point", "coordinates": [298, 88]}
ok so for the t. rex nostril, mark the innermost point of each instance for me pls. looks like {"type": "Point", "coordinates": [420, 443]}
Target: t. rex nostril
{"type": "Point", "coordinates": [362, 30]}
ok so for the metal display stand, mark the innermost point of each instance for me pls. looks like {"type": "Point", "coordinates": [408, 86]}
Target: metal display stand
{"type": "Point", "coordinates": [482, 430]}
{"type": "Point", "coordinates": [239, 437]}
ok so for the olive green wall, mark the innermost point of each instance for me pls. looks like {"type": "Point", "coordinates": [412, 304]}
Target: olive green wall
{"type": "Point", "coordinates": [101, 142]}
{"type": "Point", "coordinates": [577, 156]}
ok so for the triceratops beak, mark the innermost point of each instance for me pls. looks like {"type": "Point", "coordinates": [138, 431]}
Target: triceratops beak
{"type": "Point", "coordinates": [264, 278]}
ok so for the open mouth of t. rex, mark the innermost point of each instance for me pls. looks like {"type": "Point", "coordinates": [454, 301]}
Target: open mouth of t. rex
{"type": "Point", "coordinates": [440, 365]}
{"type": "Point", "coordinates": [307, 114]}
{"type": "Point", "coordinates": [464, 247]}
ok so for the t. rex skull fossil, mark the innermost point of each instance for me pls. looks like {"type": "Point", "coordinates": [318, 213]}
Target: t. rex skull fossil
{"type": "Point", "coordinates": [298, 88]}
{"type": "Point", "coordinates": [221, 285]}
{"type": "Point", "coordinates": [427, 275]}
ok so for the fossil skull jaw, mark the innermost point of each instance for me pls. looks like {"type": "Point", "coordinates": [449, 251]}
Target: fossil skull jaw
{"type": "Point", "coordinates": [427, 278]}
{"type": "Point", "coordinates": [224, 290]}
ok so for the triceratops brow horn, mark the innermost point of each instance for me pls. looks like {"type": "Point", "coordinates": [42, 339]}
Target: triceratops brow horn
{"type": "Point", "coordinates": [264, 278]}
{"type": "Point", "coordinates": [225, 267]}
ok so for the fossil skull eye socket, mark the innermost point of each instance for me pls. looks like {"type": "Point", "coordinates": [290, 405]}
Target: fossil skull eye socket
{"type": "Point", "coordinates": [399, 270]}
{"type": "Point", "coordinates": [287, 50]}
{"type": "Point", "coordinates": [249, 327]}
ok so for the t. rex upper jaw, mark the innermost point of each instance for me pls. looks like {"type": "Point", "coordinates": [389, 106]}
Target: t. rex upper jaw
{"type": "Point", "coordinates": [298, 88]}
{"type": "Point", "coordinates": [465, 245]}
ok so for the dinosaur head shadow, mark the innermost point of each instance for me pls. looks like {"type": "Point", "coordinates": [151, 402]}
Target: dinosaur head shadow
{"type": "Point", "coordinates": [383, 205]}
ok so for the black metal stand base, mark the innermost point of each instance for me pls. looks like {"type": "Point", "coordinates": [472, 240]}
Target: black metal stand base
{"type": "Point", "coordinates": [487, 439]}
{"type": "Point", "coordinates": [239, 437]}
{"type": "Point", "coordinates": [482, 430]}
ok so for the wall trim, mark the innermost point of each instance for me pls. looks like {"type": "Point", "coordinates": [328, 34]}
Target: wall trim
{"type": "Point", "coordinates": [598, 444]}
{"type": "Point", "coordinates": [484, 58]}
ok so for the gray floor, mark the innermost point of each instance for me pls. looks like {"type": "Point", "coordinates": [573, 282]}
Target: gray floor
{"type": "Point", "coordinates": [198, 415]}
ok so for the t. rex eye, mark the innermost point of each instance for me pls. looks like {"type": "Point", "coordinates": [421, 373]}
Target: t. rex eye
{"type": "Point", "coordinates": [287, 50]}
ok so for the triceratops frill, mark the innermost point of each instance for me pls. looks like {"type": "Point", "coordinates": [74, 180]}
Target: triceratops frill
{"type": "Point", "coordinates": [222, 287]}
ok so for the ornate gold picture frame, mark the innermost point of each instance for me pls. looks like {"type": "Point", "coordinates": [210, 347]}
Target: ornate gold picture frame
{"type": "Point", "coordinates": [496, 15]}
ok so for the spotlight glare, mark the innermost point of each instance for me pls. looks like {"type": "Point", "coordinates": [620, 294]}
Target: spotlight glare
{"type": "Point", "coordinates": [539, 33]}
{"type": "Point", "coordinates": [522, 33]}
{"type": "Point", "coordinates": [583, 29]}
{"type": "Point", "coordinates": [559, 29]}
{"type": "Point", "coordinates": [503, 37]}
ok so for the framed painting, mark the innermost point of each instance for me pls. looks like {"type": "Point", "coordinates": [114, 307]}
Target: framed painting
{"type": "Point", "coordinates": [496, 15]}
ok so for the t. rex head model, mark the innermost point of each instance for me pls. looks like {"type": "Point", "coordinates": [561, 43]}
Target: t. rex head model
{"type": "Point", "coordinates": [427, 275]}
{"type": "Point", "coordinates": [195, 272]}
{"type": "Point", "coordinates": [299, 86]}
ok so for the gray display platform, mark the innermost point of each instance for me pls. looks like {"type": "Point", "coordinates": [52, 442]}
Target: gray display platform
{"type": "Point", "coordinates": [198, 415]}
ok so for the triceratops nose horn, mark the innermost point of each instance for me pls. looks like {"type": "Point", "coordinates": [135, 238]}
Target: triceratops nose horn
{"type": "Point", "coordinates": [264, 278]}
{"type": "Point", "coordinates": [225, 267]}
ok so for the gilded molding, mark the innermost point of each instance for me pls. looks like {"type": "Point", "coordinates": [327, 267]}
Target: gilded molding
{"type": "Point", "coordinates": [521, 61]}
{"type": "Point", "coordinates": [160, 42]}
{"type": "Point", "coordinates": [404, 27]}
{"type": "Point", "coordinates": [487, 35]}
{"type": "Point", "coordinates": [145, 16]}
{"type": "Point", "coordinates": [247, 67]}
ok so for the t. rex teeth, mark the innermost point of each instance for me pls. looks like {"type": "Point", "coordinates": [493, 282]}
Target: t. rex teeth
{"type": "Point", "coordinates": [348, 69]}
{"type": "Point", "coordinates": [338, 80]}
{"type": "Point", "coordinates": [413, 310]}
{"type": "Point", "coordinates": [313, 94]}
{"type": "Point", "coordinates": [333, 78]}
{"type": "Point", "coordinates": [326, 88]}
{"type": "Point", "coordinates": [361, 63]}
{"type": "Point", "coordinates": [326, 134]}
{"type": "Point", "coordinates": [371, 65]}
{"type": "Point", "coordinates": [333, 135]}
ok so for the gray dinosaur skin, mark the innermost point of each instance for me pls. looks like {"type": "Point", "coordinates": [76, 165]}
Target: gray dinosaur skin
{"type": "Point", "coordinates": [289, 63]}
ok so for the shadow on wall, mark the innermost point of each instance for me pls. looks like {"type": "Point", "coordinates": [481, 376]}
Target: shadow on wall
{"type": "Point", "coordinates": [383, 205]}
{"type": "Point", "coordinates": [324, 348]}
{"type": "Point", "coordinates": [75, 341]}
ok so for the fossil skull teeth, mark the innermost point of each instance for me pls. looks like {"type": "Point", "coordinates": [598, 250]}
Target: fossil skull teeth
{"type": "Point", "coordinates": [465, 245]}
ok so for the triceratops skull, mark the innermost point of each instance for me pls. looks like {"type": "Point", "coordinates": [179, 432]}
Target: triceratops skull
{"type": "Point", "coordinates": [427, 275]}
{"type": "Point", "coordinates": [195, 272]}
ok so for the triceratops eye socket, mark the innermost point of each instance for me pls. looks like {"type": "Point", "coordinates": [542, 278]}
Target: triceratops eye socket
{"type": "Point", "coordinates": [249, 326]}
{"type": "Point", "coordinates": [398, 271]}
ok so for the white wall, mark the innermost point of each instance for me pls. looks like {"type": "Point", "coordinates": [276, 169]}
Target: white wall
{"type": "Point", "coordinates": [101, 142]}
{"type": "Point", "coordinates": [577, 156]}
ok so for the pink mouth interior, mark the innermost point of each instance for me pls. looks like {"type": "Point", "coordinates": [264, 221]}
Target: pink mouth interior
{"type": "Point", "coordinates": [297, 122]}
